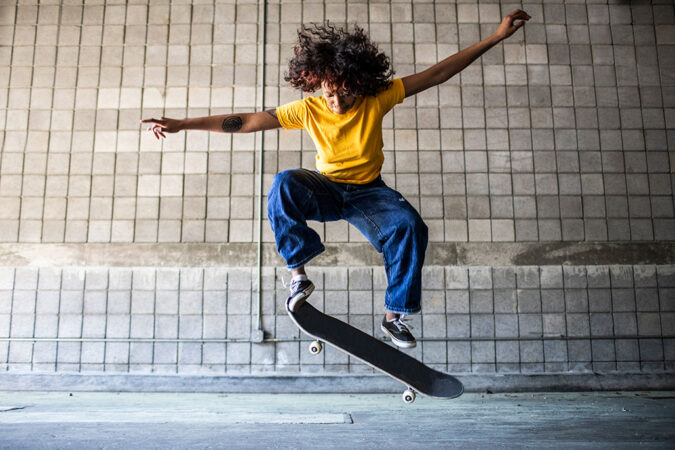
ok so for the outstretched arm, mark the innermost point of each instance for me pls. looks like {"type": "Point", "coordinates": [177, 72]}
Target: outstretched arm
{"type": "Point", "coordinates": [226, 123]}
{"type": "Point", "coordinates": [446, 69]}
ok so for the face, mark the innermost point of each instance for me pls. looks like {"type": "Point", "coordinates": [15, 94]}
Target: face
{"type": "Point", "coordinates": [337, 98]}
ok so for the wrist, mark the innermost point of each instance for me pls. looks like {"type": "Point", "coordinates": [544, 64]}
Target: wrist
{"type": "Point", "coordinates": [183, 124]}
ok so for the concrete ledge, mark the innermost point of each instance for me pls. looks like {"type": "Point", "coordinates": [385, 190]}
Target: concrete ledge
{"type": "Point", "coordinates": [277, 384]}
{"type": "Point", "coordinates": [342, 254]}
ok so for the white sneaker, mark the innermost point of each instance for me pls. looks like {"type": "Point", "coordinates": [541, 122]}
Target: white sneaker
{"type": "Point", "coordinates": [301, 288]}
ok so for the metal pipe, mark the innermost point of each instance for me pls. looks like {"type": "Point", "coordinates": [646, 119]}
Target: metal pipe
{"type": "Point", "coordinates": [258, 334]}
{"type": "Point", "coordinates": [249, 341]}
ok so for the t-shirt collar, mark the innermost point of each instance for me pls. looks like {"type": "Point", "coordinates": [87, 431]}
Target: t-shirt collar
{"type": "Point", "coordinates": [354, 107]}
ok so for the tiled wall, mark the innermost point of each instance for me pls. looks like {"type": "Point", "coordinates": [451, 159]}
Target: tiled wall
{"type": "Point", "coordinates": [527, 319]}
{"type": "Point", "coordinates": [564, 132]}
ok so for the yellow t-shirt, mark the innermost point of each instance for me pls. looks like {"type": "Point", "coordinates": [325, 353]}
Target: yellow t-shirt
{"type": "Point", "coordinates": [349, 145]}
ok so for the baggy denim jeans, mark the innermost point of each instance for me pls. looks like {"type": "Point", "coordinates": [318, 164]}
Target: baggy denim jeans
{"type": "Point", "coordinates": [386, 219]}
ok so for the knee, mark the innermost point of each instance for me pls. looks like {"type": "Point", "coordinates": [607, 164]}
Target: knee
{"type": "Point", "coordinates": [413, 225]}
{"type": "Point", "coordinates": [282, 178]}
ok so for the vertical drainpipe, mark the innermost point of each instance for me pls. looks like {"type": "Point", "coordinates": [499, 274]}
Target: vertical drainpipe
{"type": "Point", "coordinates": [258, 335]}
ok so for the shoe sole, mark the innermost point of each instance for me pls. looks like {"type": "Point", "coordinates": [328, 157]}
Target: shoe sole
{"type": "Point", "coordinates": [398, 342]}
{"type": "Point", "coordinates": [294, 303]}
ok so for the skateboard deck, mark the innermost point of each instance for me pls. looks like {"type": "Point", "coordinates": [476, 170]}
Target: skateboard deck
{"type": "Point", "coordinates": [376, 353]}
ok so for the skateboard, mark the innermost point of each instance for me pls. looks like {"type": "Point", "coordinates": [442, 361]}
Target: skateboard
{"type": "Point", "coordinates": [416, 376]}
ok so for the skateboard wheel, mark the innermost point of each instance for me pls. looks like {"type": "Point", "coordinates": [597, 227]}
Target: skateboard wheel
{"type": "Point", "coordinates": [315, 347]}
{"type": "Point", "coordinates": [408, 396]}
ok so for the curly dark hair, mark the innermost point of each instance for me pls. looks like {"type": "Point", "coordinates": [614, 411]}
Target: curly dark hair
{"type": "Point", "coordinates": [348, 60]}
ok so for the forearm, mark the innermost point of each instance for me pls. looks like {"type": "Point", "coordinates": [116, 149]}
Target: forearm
{"type": "Point", "coordinates": [225, 123]}
{"type": "Point", "coordinates": [234, 123]}
{"type": "Point", "coordinates": [454, 64]}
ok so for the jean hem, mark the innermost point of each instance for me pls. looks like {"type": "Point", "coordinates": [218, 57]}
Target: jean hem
{"type": "Point", "coordinates": [306, 259]}
{"type": "Point", "coordinates": [402, 310]}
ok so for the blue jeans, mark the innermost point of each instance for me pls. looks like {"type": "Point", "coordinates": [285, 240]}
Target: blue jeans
{"type": "Point", "coordinates": [387, 220]}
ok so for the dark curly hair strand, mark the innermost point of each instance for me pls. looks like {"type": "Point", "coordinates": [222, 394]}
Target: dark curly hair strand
{"type": "Point", "coordinates": [347, 60]}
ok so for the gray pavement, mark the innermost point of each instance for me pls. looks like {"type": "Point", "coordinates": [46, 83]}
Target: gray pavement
{"type": "Point", "coordinates": [166, 420]}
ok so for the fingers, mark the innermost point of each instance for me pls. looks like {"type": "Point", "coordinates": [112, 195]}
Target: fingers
{"type": "Point", "coordinates": [519, 14]}
{"type": "Point", "coordinates": [157, 131]}
{"type": "Point", "coordinates": [516, 15]}
{"type": "Point", "coordinates": [157, 127]}
{"type": "Point", "coordinates": [162, 121]}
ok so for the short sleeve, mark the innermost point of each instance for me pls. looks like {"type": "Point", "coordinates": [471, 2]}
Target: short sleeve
{"type": "Point", "coordinates": [391, 96]}
{"type": "Point", "coordinates": [292, 115]}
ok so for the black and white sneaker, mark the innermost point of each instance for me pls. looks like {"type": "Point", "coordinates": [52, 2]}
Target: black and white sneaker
{"type": "Point", "coordinates": [398, 332]}
{"type": "Point", "coordinates": [301, 288]}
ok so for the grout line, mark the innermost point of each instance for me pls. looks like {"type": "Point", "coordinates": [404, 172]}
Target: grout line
{"type": "Point", "coordinates": [227, 330]}
{"type": "Point", "coordinates": [643, 132]}
{"type": "Point", "coordinates": [598, 131]}
{"type": "Point", "coordinates": [460, 83]}
{"type": "Point", "coordinates": [541, 316]}
{"type": "Point", "coordinates": [660, 312]}
{"type": "Point", "coordinates": [27, 131]}
{"type": "Point", "coordinates": [534, 168]}
{"type": "Point", "coordinates": [576, 138]}
{"type": "Point", "coordinates": [3, 134]}
{"type": "Point", "coordinates": [58, 321]}
{"type": "Point", "coordinates": [11, 316]}
{"type": "Point", "coordinates": [37, 279]}
{"type": "Point", "coordinates": [489, 196]}
{"type": "Point", "coordinates": [230, 136]}
{"type": "Point", "coordinates": [637, 321]}
{"type": "Point", "coordinates": [183, 198]}
{"type": "Point", "coordinates": [441, 150]}
{"type": "Point", "coordinates": [95, 132]}
{"type": "Point", "coordinates": [517, 314]}
{"type": "Point", "coordinates": [138, 177]}
{"type": "Point", "coordinates": [45, 193]}
{"type": "Point", "coordinates": [113, 175]}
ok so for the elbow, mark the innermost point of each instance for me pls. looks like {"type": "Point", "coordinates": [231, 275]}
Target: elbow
{"type": "Point", "coordinates": [232, 124]}
{"type": "Point", "coordinates": [447, 77]}
{"type": "Point", "coordinates": [441, 76]}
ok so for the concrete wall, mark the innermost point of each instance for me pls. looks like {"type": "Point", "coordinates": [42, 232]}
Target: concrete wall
{"type": "Point", "coordinates": [544, 171]}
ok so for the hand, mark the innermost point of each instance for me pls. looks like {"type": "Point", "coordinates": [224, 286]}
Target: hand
{"type": "Point", "coordinates": [508, 27]}
{"type": "Point", "coordinates": [163, 125]}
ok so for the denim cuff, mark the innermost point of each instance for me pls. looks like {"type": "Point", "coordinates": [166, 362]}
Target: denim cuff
{"type": "Point", "coordinates": [406, 311]}
{"type": "Point", "coordinates": [306, 259]}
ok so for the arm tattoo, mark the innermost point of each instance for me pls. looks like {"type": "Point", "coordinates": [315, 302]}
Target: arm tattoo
{"type": "Point", "coordinates": [231, 124]}
{"type": "Point", "coordinates": [272, 112]}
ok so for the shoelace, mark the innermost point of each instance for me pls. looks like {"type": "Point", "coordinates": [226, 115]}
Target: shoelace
{"type": "Point", "coordinates": [401, 324]}
{"type": "Point", "coordinates": [292, 284]}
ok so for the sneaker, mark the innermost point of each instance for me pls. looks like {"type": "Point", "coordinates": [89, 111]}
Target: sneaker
{"type": "Point", "coordinates": [398, 332]}
{"type": "Point", "coordinates": [301, 288]}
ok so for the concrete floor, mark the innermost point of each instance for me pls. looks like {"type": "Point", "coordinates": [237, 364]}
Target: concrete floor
{"type": "Point", "coordinates": [167, 421]}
